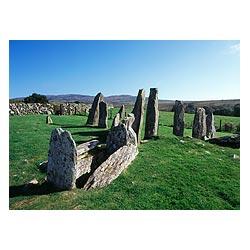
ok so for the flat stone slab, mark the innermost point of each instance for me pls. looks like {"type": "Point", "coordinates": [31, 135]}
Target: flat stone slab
{"type": "Point", "coordinates": [112, 167]}
{"type": "Point", "coordinates": [86, 146]}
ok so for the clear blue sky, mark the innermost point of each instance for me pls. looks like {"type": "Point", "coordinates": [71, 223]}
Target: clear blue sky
{"type": "Point", "coordinates": [184, 70]}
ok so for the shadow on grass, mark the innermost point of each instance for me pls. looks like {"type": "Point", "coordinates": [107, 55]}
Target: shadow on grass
{"type": "Point", "coordinates": [32, 189]}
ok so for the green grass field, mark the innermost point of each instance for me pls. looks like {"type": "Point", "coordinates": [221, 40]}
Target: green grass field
{"type": "Point", "coordinates": [169, 173]}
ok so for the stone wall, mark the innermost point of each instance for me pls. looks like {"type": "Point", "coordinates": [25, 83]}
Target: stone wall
{"type": "Point", "coordinates": [38, 108]}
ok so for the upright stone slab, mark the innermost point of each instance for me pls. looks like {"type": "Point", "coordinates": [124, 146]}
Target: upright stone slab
{"type": "Point", "coordinates": [138, 111]}
{"type": "Point", "coordinates": [62, 160]}
{"type": "Point", "coordinates": [122, 112]}
{"type": "Point", "coordinates": [121, 135]}
{"type": "Point", "coordinates": [103, 115]}
{"type": "Point", "coordinates": [179, 111]}
{"type": "Point", "coordinates": [116, 120]}
{"type": "Point", "coordinates": [93, 118]}
{"type": "Point", "coordinates": [199, 126]}
{"type": "Point", "coordinates": [119, 116]}
{"type": "Point", "coordinates": [152, 115]}
{"type": "Point", "coordinates": [211, 131]}
{"type": "Point", "coordinates": [48, 119]}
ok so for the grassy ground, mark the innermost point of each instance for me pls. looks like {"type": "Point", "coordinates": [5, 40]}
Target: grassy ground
{"type": "Point", "coordinates": [169, 173]}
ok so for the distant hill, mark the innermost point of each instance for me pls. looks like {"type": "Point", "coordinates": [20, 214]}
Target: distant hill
{"type": "Point", "coordinates": [129, 100]}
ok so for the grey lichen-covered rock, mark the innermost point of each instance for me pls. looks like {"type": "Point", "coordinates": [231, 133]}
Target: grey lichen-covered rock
{"type": "Point", "coordinates": [152, 115]}
{"type": "Point", "coordinates": [122, 112]}
{"type": "Point", "coordinates": [211, 131]}
{"type": "Point", "coordinates": [121, 135]}
{"type": "Point", "coordinates": [199, 126]}
{"type": "Point", "coordinates": [103, 115]}
{"type": "Point", "coordinates": [119, 116]}
{"type": "Point", "coordinates": [93, 118]}
{"type": "Point", "coordinates": [86, 146]}
{"type": "Point", "coordinates": [112, 167]}
{"type": "Point", "coordinates": [179, 111]}
{"type": "Point", "coordinates": [116, 120]}
{"type": "Point", "coordinates": [62, 159]}
{"type": "Point", "coordinates": [138, 112]}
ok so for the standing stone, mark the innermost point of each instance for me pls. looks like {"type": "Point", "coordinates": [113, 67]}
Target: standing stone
{"type": "Point", "coordinates": [122, 112]}
{"type": "Point", "coordinates": [119, 116]}
{"type": "Point", "coordinates": [199, 126]}
{"type": "Point", "coordinates": [179, 111]}
{"type": "Point", "coordinates": [152, 115]}
{"type": "Point", "coordinates": [121, 135]}
{"type": "Point", "coordinates": [103, 115]}
{"type": "Point", "coordinates": [93, 118]}
{"type": "Point", "coordinates": [211, 131]}
{"type": "Point", "coordinates": [62, 160]}
{"type": "Point", "coordinates": [138, 111]}
{"type": "Point", "coordinates": [48, 119]}
{"type": "Point", "coordinates": [116, 120]}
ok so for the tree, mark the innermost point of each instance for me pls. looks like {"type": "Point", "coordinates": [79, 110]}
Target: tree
{"type": "Point", "coordinates": [237, 110]}
{"type": "Point", "coordinates": [36, 98]}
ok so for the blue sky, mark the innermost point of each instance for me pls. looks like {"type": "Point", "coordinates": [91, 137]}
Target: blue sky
{"type": "Point", "coordinates": [184, 70]}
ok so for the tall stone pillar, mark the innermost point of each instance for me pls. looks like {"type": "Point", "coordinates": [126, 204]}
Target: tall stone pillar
{"type": "Point", "coordinates": [138, 112]}
{"type": "Point", "coordinates": [103, 115]}
{"type": "Point", "coordinates": [179, 111]}
{"type": "Point", "coordinates": [199, 126]}
{"type": "Point", "coordinates": [152, 115]}
{"type": "Point", "coordinates": [93, 118]}
{"type": "Point", "coordinates": [211, 131]}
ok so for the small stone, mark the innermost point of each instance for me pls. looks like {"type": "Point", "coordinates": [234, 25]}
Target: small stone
{"type": "Point", "coordinates": [34, 181]}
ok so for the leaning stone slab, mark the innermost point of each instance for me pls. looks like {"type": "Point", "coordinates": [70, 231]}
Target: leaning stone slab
{"type": "Point", "coordinates": [112, 167]}
{"type": "Point", "coordinates": [138, 111]}
{"type": "Point", "coordinates": [87, 146]}
{"type": "Point", "coordinates": [152, 115]}
{"type": "Point", "coordinates": [199, 126]}
{"type": "Point", "coordinates": [62, 160]}
{"type": "Point", "coordinates": [178, 128]}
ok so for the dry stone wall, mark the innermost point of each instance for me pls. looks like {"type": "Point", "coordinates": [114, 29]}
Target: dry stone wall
{"type": "Point", "coordinates": [38, 108]}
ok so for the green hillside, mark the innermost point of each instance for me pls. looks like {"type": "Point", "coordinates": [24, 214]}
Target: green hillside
{"type": "Point", "coordinates": [169, 173]}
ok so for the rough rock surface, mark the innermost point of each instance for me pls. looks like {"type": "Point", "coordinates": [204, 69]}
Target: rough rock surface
{"type": "Point", "coordinates": [122, 112]}
{"type": "Point", "coordinates": [138, 111]}
{"type": "Point", "coordinates": [119, 116]}
{"type": "Point", "coordinates": [116, 120]}
{"type": "Point", "coordinates": [179, 111]}
{"type": "Point", "coordinates": [199, 126]}
{"type": "Point", "coordinates": [121, 135]}
{"type": "Point", "coordinates": [86, 146]}
{"type": "Point", "coordinates": [47, 108]}
{"type": "Point", "coordinates": [62, 160]}
{"type": "Point", "coordinates": [93, 118]}
{"type": "Point", "coordinates": [112, 167]}
{"type": "Point", "coordinates": [103, 115]}
{"type": "Point", "coordinates": [211, 131]}
{"type": "Point", "coordinates": [152, 115]}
